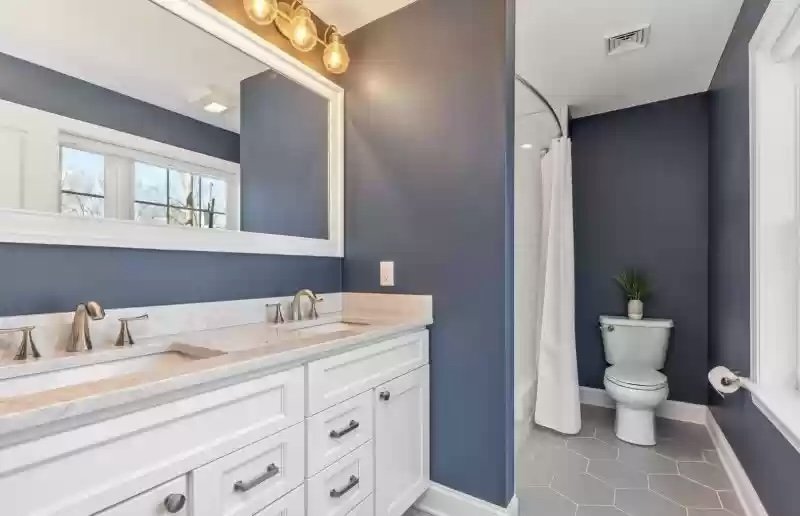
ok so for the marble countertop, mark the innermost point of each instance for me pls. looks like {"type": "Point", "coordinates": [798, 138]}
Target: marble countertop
{"type": "Point", "coordinates": [232, 352]}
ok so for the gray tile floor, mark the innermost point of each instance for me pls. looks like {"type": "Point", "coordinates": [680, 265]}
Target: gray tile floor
{"type": "Point", "coordinates": [596, 474]}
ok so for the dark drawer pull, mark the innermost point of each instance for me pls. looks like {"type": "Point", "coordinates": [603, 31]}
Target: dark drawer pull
{"type": "Point", "coordinates": [243, 486]}
{"type": "Point", "coordinates": [350, 485]}
{"type": "Point", "coordinates": [385, 395]}
{"type": "Point", "coordinates": [174, 503]}
{"type": "Point", "coordinates": [335, 434]}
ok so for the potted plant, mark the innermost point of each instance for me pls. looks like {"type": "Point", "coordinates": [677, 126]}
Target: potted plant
{"type": "Point", "coordinates": [636, 289]}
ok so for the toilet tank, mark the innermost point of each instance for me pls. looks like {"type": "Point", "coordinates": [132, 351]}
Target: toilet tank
{"type": "Point", "coordinates": [643, 342]}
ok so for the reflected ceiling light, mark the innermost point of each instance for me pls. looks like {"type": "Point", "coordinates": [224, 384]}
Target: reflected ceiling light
{"type": "Point", "coordinates": [214, 100]}
{"type": "Point", "coordinates": [262, 12]}
{"type": "Point", "coordinates": [526, 146]}
{"type": "Point", "coordinates": [304, 31]}
{"type": "Point", "coordinates": [335, 57]}
{"type": "Point", "coordinates": [296, 23]}
{"type": "Point", "coordinates": [215, 107]}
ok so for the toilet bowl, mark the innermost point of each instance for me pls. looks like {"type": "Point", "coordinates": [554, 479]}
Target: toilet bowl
{"type": "Point", "coordinates": [636, 350]}
{"type": "Point", "coordinates": [637, 391]}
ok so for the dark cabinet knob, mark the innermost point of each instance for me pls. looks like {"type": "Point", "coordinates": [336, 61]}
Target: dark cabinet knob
{"type": "Point", "coordinates": [174, 502]}
{"type": "Point", "coordinates": [385, 395]}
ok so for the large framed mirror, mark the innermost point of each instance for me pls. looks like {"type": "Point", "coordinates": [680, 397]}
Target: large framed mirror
{"type": "Point", "coordinates": [217, 141]}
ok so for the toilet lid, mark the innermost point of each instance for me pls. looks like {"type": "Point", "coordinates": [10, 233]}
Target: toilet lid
{"type": "Point", "coordinates": [636, 377]}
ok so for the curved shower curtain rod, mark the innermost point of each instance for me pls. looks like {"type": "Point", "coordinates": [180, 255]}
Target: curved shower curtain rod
{"type": "Point", "coordinates": [522, 80]}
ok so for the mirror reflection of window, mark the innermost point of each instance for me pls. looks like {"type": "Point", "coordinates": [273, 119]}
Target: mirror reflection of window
{"type": "Point", "coordinates": [150, 203]}
{"type": "Point", "coordinates": [82, 183]}
{"type": "Point", "coordinates": [169, 196]}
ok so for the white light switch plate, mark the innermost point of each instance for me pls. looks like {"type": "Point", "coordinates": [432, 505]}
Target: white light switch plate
{"type": "Point", "coordinates": [387, 274]}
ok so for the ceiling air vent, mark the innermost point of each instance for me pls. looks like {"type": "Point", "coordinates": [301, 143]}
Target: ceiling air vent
{"type": "Point", "coordinates": [627, 41]}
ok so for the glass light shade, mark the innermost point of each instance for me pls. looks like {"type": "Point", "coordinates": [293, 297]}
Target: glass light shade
{"type": "Point", "coordinates": [335, 57]}
{"type": "Point", "coordinates": [303, 31]}
{"type": "Point", "coordinates": [262, 12]}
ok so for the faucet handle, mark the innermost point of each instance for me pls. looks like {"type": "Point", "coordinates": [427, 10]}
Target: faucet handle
{"type": "Point", "coordinates": [27, 342]}
{"type": "Point", "coordinates": [279, 319]}
{"type": "Point", "coordinates": [314, 301]}
{"type": "Point", "coordinates": [125, 337]}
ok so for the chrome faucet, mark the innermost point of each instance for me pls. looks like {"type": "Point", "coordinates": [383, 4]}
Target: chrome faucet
{"type": "Point", "coordinates": [297, 313]}
{"type": "Point", "coordinates": [81, 339]}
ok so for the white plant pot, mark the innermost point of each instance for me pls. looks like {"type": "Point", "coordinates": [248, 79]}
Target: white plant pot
{"type": "Point", "coordinates": [635, 309]}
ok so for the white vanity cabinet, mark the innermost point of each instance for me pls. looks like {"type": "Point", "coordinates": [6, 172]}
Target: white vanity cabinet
{"type": "Point", "coordinates": [344, 435]}
{"type": "Point", "coordinates": [375, 402]}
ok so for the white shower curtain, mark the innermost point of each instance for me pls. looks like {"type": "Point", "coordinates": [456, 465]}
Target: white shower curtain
{"type": "Point", "coordinates": [557, 397]}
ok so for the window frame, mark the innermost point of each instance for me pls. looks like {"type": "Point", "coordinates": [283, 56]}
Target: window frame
{"type": "Point", "coordinates": [120, 159]}
{"type": "Point", "coordinates": [774, 380]}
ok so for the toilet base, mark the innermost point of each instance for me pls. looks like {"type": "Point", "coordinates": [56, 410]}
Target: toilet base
{"type": "Point", "coordinates": [635, 426]}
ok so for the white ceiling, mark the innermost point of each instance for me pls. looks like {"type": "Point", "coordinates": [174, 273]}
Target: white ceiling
{"type": "Point", "coordinates": [561, 49]}
{"type": "Point", "coordinates": [131, 46]}
{"type": "Point", "coordinates": [348, 15]}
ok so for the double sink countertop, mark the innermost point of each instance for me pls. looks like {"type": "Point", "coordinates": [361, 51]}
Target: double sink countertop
{"type": "Point", "coordinates": [56, 389]}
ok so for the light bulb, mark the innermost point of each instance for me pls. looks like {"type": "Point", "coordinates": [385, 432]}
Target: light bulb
{"type": "Point", "coordinates": [335, 57]}
{"type": "Point", "coordinates": [263, 12]}
{"type": "Point", "coordinates": [303, 30]}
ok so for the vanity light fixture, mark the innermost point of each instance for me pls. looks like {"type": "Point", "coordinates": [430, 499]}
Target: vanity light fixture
{"type": "Point", "coordinates": [335, 57]}
{"type": "Point", "coordinates": [295, 22]}
{"type": "Point", "coordinates": [304, 31]}
{"type": "Point", "coordinates": [262, 12]}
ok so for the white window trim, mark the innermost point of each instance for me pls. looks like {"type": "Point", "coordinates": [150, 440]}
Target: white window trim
{"type": "Point", "coordinates": [775, 219]}
{"type": "Point", "coordinates": [35, 227]}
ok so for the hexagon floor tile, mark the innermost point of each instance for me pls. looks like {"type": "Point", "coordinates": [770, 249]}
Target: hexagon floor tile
{"type": "Point", "coordinates": [596, 474]}
{"type": "Point", "coordinates": [685, 492]}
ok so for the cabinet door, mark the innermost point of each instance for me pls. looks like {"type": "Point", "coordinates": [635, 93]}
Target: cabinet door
{"type": "Point", "coordinates": [166, 499]}
{"type": "Point", "coordinates": [402, 442]}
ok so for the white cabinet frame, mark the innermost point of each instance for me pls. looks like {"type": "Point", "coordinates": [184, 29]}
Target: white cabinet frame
{"type": "Point", "coordinates": [32, 227]}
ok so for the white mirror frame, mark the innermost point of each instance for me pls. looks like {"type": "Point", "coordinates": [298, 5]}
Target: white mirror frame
{"type": "Point", "coordinates": [24, 226]}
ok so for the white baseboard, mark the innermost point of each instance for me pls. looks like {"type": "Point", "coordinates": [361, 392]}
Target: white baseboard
{"type": "Point", "coordinates": [439, 500]}
{"type": "Point", "coordinates": [751, 503]}
{"type": "Point", "coordinates": [670, 409]}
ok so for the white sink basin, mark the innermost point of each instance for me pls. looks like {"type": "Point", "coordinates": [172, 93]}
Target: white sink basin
{"type": "Point", "coordinates": [328, 328]}
{"type": "Point", "coordinates": [78, 374]}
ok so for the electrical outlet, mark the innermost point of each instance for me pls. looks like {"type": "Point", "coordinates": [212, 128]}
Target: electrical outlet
{"type": "Point", "coordinates": [387, 274]}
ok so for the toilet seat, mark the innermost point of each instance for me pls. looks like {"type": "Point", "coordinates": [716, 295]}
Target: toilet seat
{"type": "Point", "coordinates": [636, 377]}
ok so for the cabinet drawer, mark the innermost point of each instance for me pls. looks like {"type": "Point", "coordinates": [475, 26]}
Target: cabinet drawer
{"type": "Point", "coordinates": [250, 479]}
{"type": "Point", "coordinates": [155, 501]}
{"type": "Point", "coordinates": [293, 504]}
{"type": "Point", "coordinates": [335, 432]}
{"type": "Point", "coordinates": [339, 488]}
{"type": "Point", "coordinates": [365, 508]}
{"type": "Point", "coordinates": [337, 378]}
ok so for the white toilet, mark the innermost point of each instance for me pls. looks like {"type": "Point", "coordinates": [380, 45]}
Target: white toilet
{"type": "Point", "coordinates": [636, 351]}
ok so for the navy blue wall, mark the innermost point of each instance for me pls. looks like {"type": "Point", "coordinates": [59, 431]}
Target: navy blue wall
{"type": "Point", "coordinates": [428, 143]}
{"type": "Point", "coordinates": [42, 279]}
{"type": "Point", "coordinates": [640, 183]}
{"type": "Point", "coordinates": [771, 462]}
{"type": "Point", "coordinates": [42, 88]}
{"type": "Point", "coordinates": [284, 158]}
{"type": "Point", "coordinates": [37, 279]}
